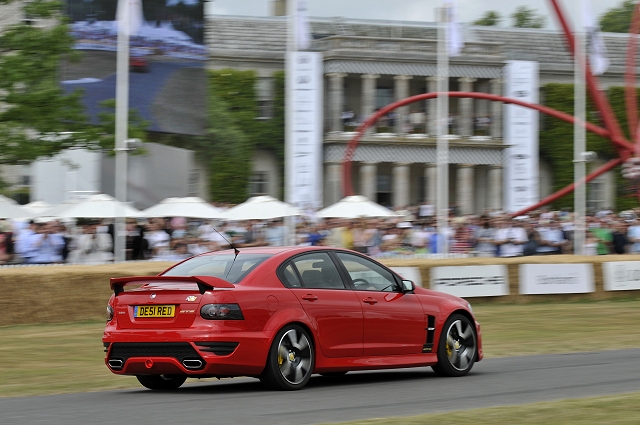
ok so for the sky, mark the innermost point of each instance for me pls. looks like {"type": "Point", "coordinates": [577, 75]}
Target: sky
{"type": "Point", "coordinates": [406, 10]}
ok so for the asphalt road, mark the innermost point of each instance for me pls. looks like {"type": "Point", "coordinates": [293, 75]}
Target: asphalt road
{"type": "Point", "coordinates": [492, 382]}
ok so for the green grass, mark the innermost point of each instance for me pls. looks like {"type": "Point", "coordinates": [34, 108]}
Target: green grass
{"type": "Point", "coordinates": [611, 410]}
{"type": "Point", "coordinates": [50, 359]}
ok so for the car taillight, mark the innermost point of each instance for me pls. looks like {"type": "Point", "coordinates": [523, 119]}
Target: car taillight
{"type": "Point", "coordinates": [221, 312]}
{"type": "Point", "coordinates": [109, 313]}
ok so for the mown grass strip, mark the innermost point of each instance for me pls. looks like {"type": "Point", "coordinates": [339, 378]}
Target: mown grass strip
{"type": "Point", "coordinates": [611, 410]}
{"type": "Point", "coordinates": [50, 359]}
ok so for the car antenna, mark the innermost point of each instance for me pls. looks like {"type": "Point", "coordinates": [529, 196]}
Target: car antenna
{"type": "Point", "coordinates": [236, 251]}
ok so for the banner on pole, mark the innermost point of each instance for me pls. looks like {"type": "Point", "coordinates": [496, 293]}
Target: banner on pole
{"type": "Point", "coordinates": [304, 132]}
{"type": "Point", "coordinates": [521, 134]}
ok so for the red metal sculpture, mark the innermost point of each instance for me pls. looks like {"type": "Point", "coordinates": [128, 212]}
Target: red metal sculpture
{"type": "Point", "coordinates": [611, 130]}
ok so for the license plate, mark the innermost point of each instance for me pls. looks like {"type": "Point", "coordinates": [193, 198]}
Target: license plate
{"type": "Point", "coordinates": [154, 311]}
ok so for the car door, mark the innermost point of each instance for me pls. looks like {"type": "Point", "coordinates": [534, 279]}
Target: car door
{"type": "Point", "coordinates": [329, 303]}
{"type": "Point", "coordinates": [394, 322]}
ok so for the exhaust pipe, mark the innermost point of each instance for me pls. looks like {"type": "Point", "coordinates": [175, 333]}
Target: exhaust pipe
{"type": "Point", "coordinates": [192, 364]}
{"type": "Point", "coordinates": [116, 364]}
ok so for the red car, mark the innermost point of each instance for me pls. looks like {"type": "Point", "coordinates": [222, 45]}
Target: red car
{"type": "Point", "coordinates": [281, 314]}
{"type": "Point", "coordinates": [138, 64]}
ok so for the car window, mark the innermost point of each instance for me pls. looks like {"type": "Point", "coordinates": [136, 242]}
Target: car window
{"type": "Point", "coordinates": [290, 277]}
{"type": "Point", "coordinates": [318, 271]}
{"type": "Point", "coordinates": [224, 266]}
{"type": "Point", "coordinates": [367, 275]}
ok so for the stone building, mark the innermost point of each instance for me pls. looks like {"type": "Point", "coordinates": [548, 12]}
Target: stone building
{"type": "Point", "coordinates": [369, 64]}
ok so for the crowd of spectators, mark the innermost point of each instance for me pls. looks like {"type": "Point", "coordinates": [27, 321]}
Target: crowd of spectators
{"type": "Point", "coordinates": [413, 232]}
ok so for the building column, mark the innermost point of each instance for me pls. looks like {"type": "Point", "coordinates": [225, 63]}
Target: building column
{"type": "Point", "coordinates": [336, 100]}
{"type": "Point", "coordinates": [432, 108]}
{"type": "Point", "coordinates": [333, 183]}
{"type": "Point", "coordinates": [368, 103]}
{"type": "Point", "coordinates": [465, 184]}
{"type": "Point", "coordinates": [495, 187]}
{"type": "Point", "coordinates": [466, 107]}
{"type": "Point", "coordinates": [369, 180]}
{"type": "Point", "coordinates": [496, 109]}
{"type": "Point", "coordinates": [400, 185]}
{"type": "Point", "coordinates": [431, 188]}
{"type": "Point", "coordinates": [401, 91]}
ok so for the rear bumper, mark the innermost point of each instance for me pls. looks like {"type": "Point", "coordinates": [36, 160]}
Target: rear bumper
{"type": "Point", "coordinates": [139, 353]}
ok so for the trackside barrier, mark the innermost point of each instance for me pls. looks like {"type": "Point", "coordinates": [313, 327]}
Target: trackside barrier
{"type": "Point", "coordinates": [59, 294]}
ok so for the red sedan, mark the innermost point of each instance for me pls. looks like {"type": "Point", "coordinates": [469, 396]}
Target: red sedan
{"type": "Point", "coordinates": [281, 314]}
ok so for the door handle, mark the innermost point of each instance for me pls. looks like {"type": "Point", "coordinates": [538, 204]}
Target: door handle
{"type": "Point", "coordinates": [309, 297]}
{"type": "Point", "coordinates": [370, 300]}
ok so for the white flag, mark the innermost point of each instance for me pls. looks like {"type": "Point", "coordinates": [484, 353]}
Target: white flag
{"type": "Point", "coordinates": [597, 49]}
{"type": "Point", "coordinates": [454, 32]}
{"type": "Point", "coordinates": [130, 25]}
{"type": "Point", "coordinates": [301, 25]}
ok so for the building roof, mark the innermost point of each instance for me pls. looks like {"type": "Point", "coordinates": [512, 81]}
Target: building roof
{"type": "Point", "coordinates": [267, 36]}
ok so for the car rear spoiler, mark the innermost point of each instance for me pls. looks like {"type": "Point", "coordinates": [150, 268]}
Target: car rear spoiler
{"type": "Point", "coordinates": [205, 283]}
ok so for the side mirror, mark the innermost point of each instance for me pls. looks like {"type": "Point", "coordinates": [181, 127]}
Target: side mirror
{"type": "Point", "coordinates": [407, 286]}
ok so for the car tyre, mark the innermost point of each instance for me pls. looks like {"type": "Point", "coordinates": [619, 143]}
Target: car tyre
{"type": "Point", "coordinates": [161, 382]}
{"type": "Point", "coordinates": [457, 348]}
{"type": "Point", "coordinates": [291, 360]}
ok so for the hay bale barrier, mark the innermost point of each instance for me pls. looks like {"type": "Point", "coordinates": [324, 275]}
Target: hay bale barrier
{"type": "Point", "coordinates": [76, 293]}
{"type": "Point", "coordinates": [62, 294]}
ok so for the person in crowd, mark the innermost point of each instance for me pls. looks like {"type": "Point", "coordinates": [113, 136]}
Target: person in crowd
{"type": "Point", "coordinates": [6, 242]}
{"type": "Point", "coordinates": [157, 238]}
{"type": "Point", "coordinates": [92, 245]}
{"type": "Point", "coordinates": [551, 238]}
{"type": "Point", "coordinates": [633, 236]}
{"type": "Point", "coordinates": [136, 243]}
{"type": "Point", "coordinates": [485, 238]}
{"type": "Point", "coordinates": [619, 240]}
{"type": "Point", "coordinates": [603, 234]}
{"type": "Point", "coordinates": [44, 246]}
{"type": "Point", "coordinates": [533, 239]}
{"type": "Point", "coordinates": [510, 237]}
{"type": "Point", "coordinates": [462, 237]}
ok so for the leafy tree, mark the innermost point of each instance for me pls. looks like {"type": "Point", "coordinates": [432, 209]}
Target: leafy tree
{"type": "Point", "coordinates": [37, 117]}
{"type": "Point", "coordinates": [524, 17]}
{"type": "Point", "coordinates": [618, 19]}
{"type": "Point", "coordinates": [489, 19]}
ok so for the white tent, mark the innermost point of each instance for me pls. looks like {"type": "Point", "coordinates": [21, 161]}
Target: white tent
{"type": "Point", "coordinates": [261, 208]}
{"type": "Point", "coordinates": [96, 206]}
{"type": "Point", "coordinates": [38, 208]}
{"type": "Point", "coordinates": [354, 207]}
{"type": "Point", "coordinates": [191, 207]}
{"type": "Point", "coordinates": [10, 209]}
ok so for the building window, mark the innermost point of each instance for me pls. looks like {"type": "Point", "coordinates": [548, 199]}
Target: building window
{"type": "Point", "coordinates": [595, 197]}
{"type": "Point", "coordinates": [259, 183]}
{"type": "Point", "coordinates": [264, 95]}
{"type": "Point", "coordinates": [194, 178]}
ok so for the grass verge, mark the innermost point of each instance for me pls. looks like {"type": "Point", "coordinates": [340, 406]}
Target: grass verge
{"type": "Point", "coordinates": [612, 410]}
{"type": "Point", "coordinates": [50, 359]}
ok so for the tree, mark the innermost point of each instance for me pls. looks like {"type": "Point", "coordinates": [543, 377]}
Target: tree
{"type": "Point", "coordinates": [489, 19]}
{"type": "Point", "coordinates": [37, 117]}
{"type": "Point", "coordinates": [618, 19]}
{"type": "Point", "coordinates": [524, 17]}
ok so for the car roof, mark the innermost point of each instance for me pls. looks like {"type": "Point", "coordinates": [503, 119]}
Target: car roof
{"type": "Point", "coordinates": [273, 250]}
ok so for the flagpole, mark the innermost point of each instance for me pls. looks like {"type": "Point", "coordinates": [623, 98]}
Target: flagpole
{"type": "Point", "coordinates": [122, 112]}
{"type": "Point", "coordinates": [579, 132]}
{"type": "Point", "coordinates": [288, 121]}
{"type": "Point", "coordinates": [442, 148]}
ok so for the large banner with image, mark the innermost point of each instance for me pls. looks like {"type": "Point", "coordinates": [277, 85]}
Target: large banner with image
{"type": "Point", "coordinates": [167, 83]}
{"type": "Point", "coordinates": [521, 134]}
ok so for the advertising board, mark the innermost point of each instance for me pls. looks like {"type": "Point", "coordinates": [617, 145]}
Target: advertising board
{"type": "Point", "coordinates": [471, 281]}
{"type": "Point", "coordinates": [556, 279]}
{"type": "Point", "coordinates": [621, 275]}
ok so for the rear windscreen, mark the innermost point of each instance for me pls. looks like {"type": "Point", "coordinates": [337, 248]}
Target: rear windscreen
{"type": "Point", "coordinates": [226, 266]}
